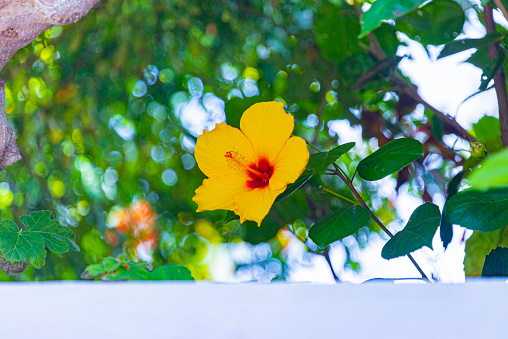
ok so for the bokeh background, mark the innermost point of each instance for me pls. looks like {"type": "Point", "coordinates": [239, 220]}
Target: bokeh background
{"type": "Point", "coordinates": [107, 112]}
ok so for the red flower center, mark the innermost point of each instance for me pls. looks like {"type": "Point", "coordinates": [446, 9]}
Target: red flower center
{"type": "Point", "coordinates": [259, 175]}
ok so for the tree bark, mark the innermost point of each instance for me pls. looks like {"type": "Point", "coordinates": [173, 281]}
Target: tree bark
{"type": "Point", "coordinates": [21, 21]}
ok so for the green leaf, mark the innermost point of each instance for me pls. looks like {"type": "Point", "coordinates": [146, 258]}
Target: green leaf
{"type": "Point", "coordinates": [457, 46]}
{"type": "Point", "coordinates": [386, 10]}
{"type": "Point", "coordinates": [446, 229]}
{"type": "Point", "coordinates": [166, 272]}
{"type": "Point", "coordinates": [230, 216]}
{"type": "Point", "coordinates": [319, 162]}
{"type": "Point", "coordinates": [480, 211]}
{"type": "Point", "coordinates": [57, 238]}
{"type": "Point", "coordinates": [110, 264]}
{"type": "Point", "coordinates": [171, 272]}
{"type": "Point", "coordinates": [337, 30]}
{"type": "Point", "coordinates": [16, 245]}
{"type": "Point", "coordinates": [338, 225]}
{"type": "Point", "coordinates": [488, 131]}
{"type": "Point", "coordinates": [493, 173]}
{"type": "Point", "coordinates": [390, 158]}
{"type": "Point", "coordinates": [235, 108]}
{"type": "Point", "coordinates": [437, 127]}
{"type": "Point", "coordinates": [496, 263]}
{"type": "Point", "coordinates": [436, 23]}
{"type": "Point", "coordinates": [92, 271]}
{"type": "Point", "coordinates": [292, 188]}
{"type": "Point", "coordinates": [419, 231]}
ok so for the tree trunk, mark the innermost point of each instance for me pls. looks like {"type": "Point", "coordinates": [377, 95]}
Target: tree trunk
{"type": "Point", "coordinates": [21, 21]}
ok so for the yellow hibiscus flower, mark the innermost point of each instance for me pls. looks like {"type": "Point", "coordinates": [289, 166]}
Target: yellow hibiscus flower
{"type": "Point", "coordinates": [248, 168]}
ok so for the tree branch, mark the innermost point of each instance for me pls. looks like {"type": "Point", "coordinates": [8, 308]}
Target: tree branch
{"type": "Point", "coordinates": [21, 21]}
{"type": "Point", "coordinates": [499, 78]}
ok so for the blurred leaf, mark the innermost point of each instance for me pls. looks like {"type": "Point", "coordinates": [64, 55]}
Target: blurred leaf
{"type": "Point", "coordinates": [338, 225]}
{"type": "Point", "coordinates": [386, 35]}
{"type": "Point", "coordinates": [319, 162]}
{"type": "Point", "coordinates": [110, 264]}
{"type": "Point", "coordinates": [478, 246]}
{"type": "Point", "coordinates": [386, 10]}
{"type": "Point", "coordinates": [496, 263]}
{"type": "Point", "coordinates": [93, 271]}
{"type": "Point", "coordinates": [235, 108]}
{"type": "Point", "coordinates": [436, 23]}
{"type": "Point", "coordinates": [446, 229]}
{"type": "Point", "coordinates": [488, 131]}
{"type": "Point", "coordinates": [457, 46]}
{"type": "Point", "coordinates": [257, 234]}
{"type": "Point", "coordinates": [491, 69]}
{"type": "Point", "coordinates": [230, 216]}
{"type": "Point", "coordinates": [480, 211]}
{"type": "Point", "coordinates": [418, 232]}
{"type": "Point", "coordinates": [337, 30]}
{"type": "Point", "coordinates": [166, 272]}
{"type": "Point", "coordinates": [437, 127]}
{"type": "Point", "coordinates": [492, 173]}
{"type": "Point", "coordinates": [390, 158]}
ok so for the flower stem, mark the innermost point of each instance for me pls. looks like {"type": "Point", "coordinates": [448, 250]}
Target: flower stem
{"type": "Point", "coordinates": [338, 195]}
{"type": "Point", "coordinates": [349, 184]}
{"type": "Point", "coordinates": [311, 145]}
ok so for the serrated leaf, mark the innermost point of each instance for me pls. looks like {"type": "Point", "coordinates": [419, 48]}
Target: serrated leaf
{"type": "Point", "coordinates": [419, 231]}
{"type": "Point", "coordinates": [319, 162]}
{"type": "Point", "coordinates": [492, 173]}
{"type": "Point", "coordinates": [457, 46]}
{"type": "Point", "coordinates": [436, 23]}
{"type": "Point", "coordinates": [338, 225]}
{"type": "Point", "coordinates": [496, 263]}
{"type": "Point", "coordinates": [390, 158]}
{"type": "Point", "coordinates": [16, 245]}
{"type": "Point", "coordinates": [386, 10]}
{"type": "Point", "coordinates": [93, 271]}
{"type": "Point", "coordinates": [483, 211]}
{"type": "Point", "coordinates": [57, 238]}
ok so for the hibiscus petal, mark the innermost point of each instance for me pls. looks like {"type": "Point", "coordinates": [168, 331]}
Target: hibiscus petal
{"type": "Point", "coordinates": [289, 163]}
{"type": "Point", "coordinates": [211, 148]}
{"type": "Point", "coordinates": [218, 192]}
{"type": "Point", "coordinates": [255, 203]}
{"type": "Point", "coordinates": [268, 127]}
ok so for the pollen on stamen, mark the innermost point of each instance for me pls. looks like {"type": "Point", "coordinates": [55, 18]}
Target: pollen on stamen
{"type": "Point", "coordinates": [235, 160]}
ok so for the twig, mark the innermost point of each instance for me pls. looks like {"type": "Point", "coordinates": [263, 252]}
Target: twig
{"type": "Point", "coordinates": [350, 185]}
{"type": "Point", "coordinates": [326, 254]}
{"type": "Point", "coordinates": [499, 78]}
{"type": "Point", "coordinates": [337, 195]}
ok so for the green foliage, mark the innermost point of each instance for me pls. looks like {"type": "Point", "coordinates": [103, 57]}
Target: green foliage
{"type": "Point", "coordinates": [338, 225]}
{"type": "Point", "coordinates": [478, 246]}
{"type": "Point", "coordinates": [493, 172]}
{"type": "Point", "coordinates": [496, 263]}
{"type": "Point", "coordinates": [17, 245]}
{"type": "Point", "coordinates": [483, 211]}
{"type": "Point", "coordinates": [418, 232]}
{"type": "Point", "coordinates": [436, 23]}
{"type": "Point", "coordinates": [488, 131]}
{"type": "Point", "coordinates": [457, 46]}
{"type": "Point", "coordinates": [337, 32]}
{"type": "Point", "coordinates": [390, 158]}
{"type": "Point", "coordinates": [111, 269]}
{"type": "Point", "coordinates": [319, 162]}
{"type": "Point", "coordinates": [386, 10]}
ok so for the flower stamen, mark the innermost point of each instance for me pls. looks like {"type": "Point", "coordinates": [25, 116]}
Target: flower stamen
{"type": "Point", "coordinates": [238, 162]}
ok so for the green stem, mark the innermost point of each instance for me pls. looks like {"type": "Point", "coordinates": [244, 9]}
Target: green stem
{"type": "Point", "coordinates": [311, 145]}
{"type": "Point", "coordinates": [338, 195]}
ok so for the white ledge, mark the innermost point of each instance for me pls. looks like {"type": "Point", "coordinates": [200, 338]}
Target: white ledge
{"type": "Point", "coordinates": [75, 310]}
